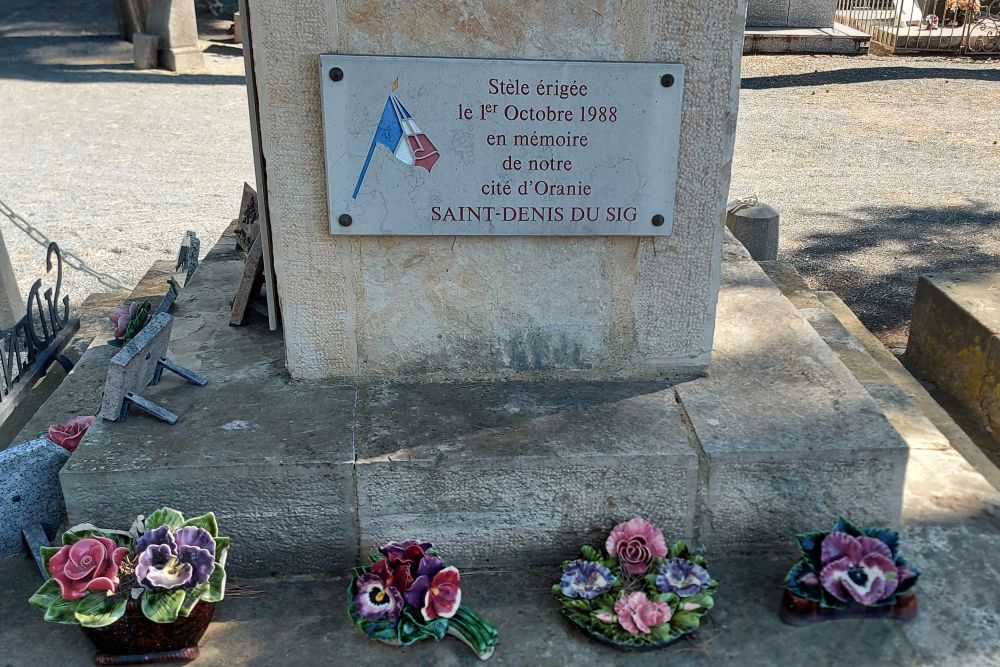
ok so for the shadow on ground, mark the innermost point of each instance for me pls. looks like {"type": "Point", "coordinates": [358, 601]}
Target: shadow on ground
{"type": "Point", "coordinates": [76, 41]}
{"type": "Point", "coordinates": [867, 75]}
{"type": "Point", "coordinates": [903, 242]}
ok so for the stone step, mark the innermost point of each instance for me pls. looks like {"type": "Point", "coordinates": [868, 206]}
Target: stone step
{"type": "Point", "coordinates": [308, 475]}
{"type": "Point", "coordinates": [839, 39]}
{"type": "Point", "coordinates": [916, 415]}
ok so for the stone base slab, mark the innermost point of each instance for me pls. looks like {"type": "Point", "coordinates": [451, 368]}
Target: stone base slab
{"type": "Point", "coordinates": [308, 476]}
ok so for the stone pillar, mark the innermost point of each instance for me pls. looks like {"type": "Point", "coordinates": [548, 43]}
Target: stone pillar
{"type": "Point", "coordinates": [176, 24]}
{"type": "Point", "coordinates": [11, 304]}
{"type": "Point", "coordinates": [479, 308]}
{"type": "Point", "coordinates": [756, 227]}
{"type": "Point", "coordinates": [237, 28]}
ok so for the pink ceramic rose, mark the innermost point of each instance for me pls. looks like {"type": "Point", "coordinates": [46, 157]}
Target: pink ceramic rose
{"type": "Point", "coordinates": [635, 544]}
{"type": "Point", "coordinates": [88, 565]}
{"type": "Point", "coordinates": [70, 434]}
{"type": "Point", "coordinates": [120, 317]}
{"type": "Point", "coordinates": [638, 614]}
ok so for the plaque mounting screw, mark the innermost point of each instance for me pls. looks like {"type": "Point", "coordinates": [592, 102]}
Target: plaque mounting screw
{"type": "Point", "coordinates": [658, 219]}
{"type": "Point", "coordinates": [345, 220]}
{"type": "Point", "coordinates": [336, 74]}
{"type": "Point", "coordinates": [666, 80]}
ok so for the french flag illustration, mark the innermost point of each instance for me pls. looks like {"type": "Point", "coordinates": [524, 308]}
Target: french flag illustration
{"type": "Point", "coordinates": [398, 132]}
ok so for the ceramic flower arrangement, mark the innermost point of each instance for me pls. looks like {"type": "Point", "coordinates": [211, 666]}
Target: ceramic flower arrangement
{"type": "Point", "coordinates": [146, 591]}
{"type": "Point", "coordinates": [638, 594]}
{"type": "Point", "coordinates": [69, 435]}
{"type": "Point", "coordinates": [128, 319]}
{"type": "Point", "coordinates": [846, 572]}
{"type": "Point", "coordinates": [408, 594]}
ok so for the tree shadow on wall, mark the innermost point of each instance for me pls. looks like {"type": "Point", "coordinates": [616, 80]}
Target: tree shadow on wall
{"type": "Point", "coordinates": [871, 256]}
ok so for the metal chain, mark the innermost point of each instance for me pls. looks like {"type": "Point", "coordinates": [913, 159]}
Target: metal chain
{"type": "Point", "coordinates": [72, 260]}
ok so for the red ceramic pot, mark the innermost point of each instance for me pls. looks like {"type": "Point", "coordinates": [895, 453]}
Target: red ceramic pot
{"type": "Point", "coordinates": [800, 611]}
{"type": "Point", "coordinates": [135, 640]}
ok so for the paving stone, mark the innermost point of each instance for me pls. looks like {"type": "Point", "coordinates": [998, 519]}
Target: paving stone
{"type": "Point", "coordinates": [29, 490]}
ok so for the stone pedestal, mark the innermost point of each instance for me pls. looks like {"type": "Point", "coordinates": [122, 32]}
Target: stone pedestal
{"type": "Point", "coordinates": [482, 308]}
{"type": "Point", "coordinates": [176, 24]}
{"type": "Point", "coordinates": [12, 306]}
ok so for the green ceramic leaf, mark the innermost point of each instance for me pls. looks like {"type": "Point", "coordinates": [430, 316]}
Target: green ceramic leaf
{"type": "Point", "coordinates": [700, 602]}
{"type": "Point", "coordinates": [679, 549]}
{"type": "Point", "coordinates": [413, 628]}
{"type": "Point", "coordinates": [97, 610]}
{"type": "Point", "coordinates": [162, 607]}
{"type": "Point", "coordinates": [165, 517]}
{"type": "Point", "coordinates": [810, 545]}
{"type": "Point", "coordinates": [699, 560]}
{"type": "Point", "coordinates": [794, 584]}
{"type": "Point", "coordinates": [650, 580]}
{"type": "Point", "coordinates": [671, 599]}
{"type": "Point", "coordinates": [191, 597]}
{"type": "Point", "coordinates": [590, 553]}
{"type": "Point", "coordinates": [46, 595]}
{"type": "Point", "coordinates": [845, 526]}
{"type": "Point", "coordinates": [62, 611]}
{"type": "Point", "coordinates": [685, 621]}
{"type": "Point", "coordinates": [664, 632]}
{"type": "Point", "coordinates": [86, 530]}
{"type": "Point", "coordinates": [890, 537]}
{"type": "Point", "coordinates": [216, 585]}
{"type": "Point", "coordinates": [221, 544]}
{"type": "Point", "coordinates": [206, 521]}
{"type": "Point", "coordinates": [47, 554]}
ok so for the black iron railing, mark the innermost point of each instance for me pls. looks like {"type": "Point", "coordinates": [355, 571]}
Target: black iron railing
{"type": "Point", "coordinates": [37, 339]}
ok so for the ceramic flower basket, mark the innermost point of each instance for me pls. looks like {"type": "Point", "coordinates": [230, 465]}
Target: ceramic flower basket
{"type": "Point", "coordinates": [408, 595]}
{"type": "Point", "coordinates": [638, 594]}
{"type": "Point", "coordinates": [849, 572]}
{"type": "Point", "coordinates": [134, 639]}
{"type": "Point", "coordinates": [143, 596]}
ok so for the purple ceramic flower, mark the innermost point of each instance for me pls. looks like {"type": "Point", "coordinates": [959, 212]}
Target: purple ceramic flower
{"type": "Point", "coordinates": [585, 579]}
{"type": "Point", "coordinates": [184, 557]}
{"type": "Point", "coordinates": [429, 566]}
{"type": "Point", "coordinates": [405, 550]}
{"type": "Point", "coordinates": [159, 569]}
{"type": "Point", "coordinates": [857, 568]}
{"type": "Point", "coordinates": [374, 599]}
{"type": "Point", "coordinates": [682, 577]}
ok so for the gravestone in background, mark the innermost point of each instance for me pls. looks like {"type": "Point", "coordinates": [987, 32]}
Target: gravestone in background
{"type": "Point", "coordinates": [481, 307]}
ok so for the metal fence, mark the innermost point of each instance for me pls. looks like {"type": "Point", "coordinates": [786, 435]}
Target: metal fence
{"type": "Point", "coordinates": [38, 338]}
{"type": "Point", "coordinates": [969, 27]}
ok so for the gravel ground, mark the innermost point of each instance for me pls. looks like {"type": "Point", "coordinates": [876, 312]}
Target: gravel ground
{"type": "Point", "coordinates": [882, 167]}
{"type": "Point", "coordinates": [113, 163]}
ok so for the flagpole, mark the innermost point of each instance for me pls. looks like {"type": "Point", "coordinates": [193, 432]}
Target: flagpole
{"type": "Point", "coordinates": [364, 169]}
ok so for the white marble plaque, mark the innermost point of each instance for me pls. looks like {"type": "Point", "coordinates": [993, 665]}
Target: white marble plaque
{"type": "Point", "coordinates": [462, 146]}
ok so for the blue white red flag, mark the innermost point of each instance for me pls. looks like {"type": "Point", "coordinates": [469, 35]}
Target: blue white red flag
{"type": "Point", "coordinates": [398, 132]}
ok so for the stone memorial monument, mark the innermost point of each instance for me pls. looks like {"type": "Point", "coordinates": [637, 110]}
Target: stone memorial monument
{"type": "Point", "coordinates": [496, 234]}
